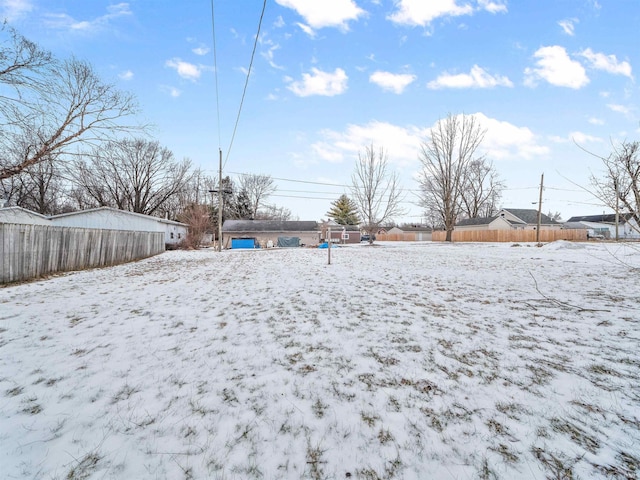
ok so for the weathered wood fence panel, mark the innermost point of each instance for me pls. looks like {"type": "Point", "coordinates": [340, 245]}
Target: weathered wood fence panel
{"type": "Point", "coordinates": [31, 251]}
{"type": "Point", "coordinates": [511, 235]}
{"type": "Point", "coordinates": [404, 237]}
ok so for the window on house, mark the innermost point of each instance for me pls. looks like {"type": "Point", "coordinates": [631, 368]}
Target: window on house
{"type": "Point", "coordinates": [179, 236]}
{"type": "Point", "coordinates": [171, 234]}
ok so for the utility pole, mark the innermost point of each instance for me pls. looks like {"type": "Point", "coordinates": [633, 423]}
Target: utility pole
{"type": "Point", "coordinates": [617, 211]}
{"type": "Point", "coordinates": [539, 209]}
{"type": "Point", "coordinates": [220, 202]}
{"type": "Point", "coordinates": [329, 245]}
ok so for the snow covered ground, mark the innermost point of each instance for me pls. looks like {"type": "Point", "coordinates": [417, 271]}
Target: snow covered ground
{"type": "Point", "coordinates": [406, 361]}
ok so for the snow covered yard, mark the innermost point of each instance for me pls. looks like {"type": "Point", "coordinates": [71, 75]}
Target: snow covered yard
{"type": "Point", "coordinates": [405, 361]}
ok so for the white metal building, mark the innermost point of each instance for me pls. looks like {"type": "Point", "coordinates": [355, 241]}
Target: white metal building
{"type": "Point", "coordinates": [23, 216]}
{"type": "Point", "coordinates": [113, 219]}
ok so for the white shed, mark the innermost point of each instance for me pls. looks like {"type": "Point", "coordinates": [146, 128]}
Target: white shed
{"type": "Point", "coordinates": [22, 215]}
{"type": "Point", "coordinates": [108, 218]}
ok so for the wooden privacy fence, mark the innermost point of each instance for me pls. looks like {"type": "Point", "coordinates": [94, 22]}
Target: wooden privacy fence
{"type": "Point", "coordinates": [404, 237]}
{"type": "Point", "coordinates": [30, 251]}
{"type": "Point", "coordinates": [511, 235]}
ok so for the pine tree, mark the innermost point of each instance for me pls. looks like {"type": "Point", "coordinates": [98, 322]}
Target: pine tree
{"type": "Point", "coordinates": [344, 211]}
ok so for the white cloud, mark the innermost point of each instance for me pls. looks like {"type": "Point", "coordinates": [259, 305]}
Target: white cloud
{"type": "Point", "coordinates": [66, 22]}
{"type": "Point", "coordinates": [279, 23]}
{"type": "Point", "coordinates": [172, 91]}
{"type": "Point", "coordinates": [320, 83]}
{"type": "Point", "coordinates": [268, 54]}
{"type": "Point", "coordinates": [619, 108]}
{"type": "Point", "coordinates": [568, 26]}
{"type": "Point", "coordinates": [502, 141]}
{"type": "Point", "coordinates": [15, 9]}
{"type": "Point", "coordinates": [505, 141]}
{"type": "Point", "coordinates": [306, 29]}
{"type": "Point", "coordinates": [582, 138]}
{"type": "Point", "coordinates": [608, 63]}
{"type": "Point", "coordinates": [422, 13]}
{"type": "Point", "coordinates": [186, 70]}
{"type": "Point", "coordinates": [201, 50]}
{"type": "Point", "coordinates": [401, 143]}
{"type": "Point", "coordinates": [556, 67]}
{"type": "Point", "coordinates": [477, 78]}
{"type": "Point", "coordinates": [394, 82]}
{"type": "Point", "coordinates": [126, 75]}
{"type": "Point", "coordinates": [325, 13]}
{"type": "Point", "coordinates": [499, 6]}
{"type": "Point", "coordinates": [595, 121]}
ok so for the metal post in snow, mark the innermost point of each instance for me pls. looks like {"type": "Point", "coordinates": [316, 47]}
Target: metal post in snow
{"type": "Point", "coordinates": [329, 244]}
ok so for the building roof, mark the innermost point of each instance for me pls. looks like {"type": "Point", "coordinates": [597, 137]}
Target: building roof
{"type": "Point", "coordinates": [21, 211]}
{"type": "Point", "coordinates": [120, 212]}
{"type": "Point", "coordinates": [475, 221]}
{"type": "Point", "coordinates": [416, 228]}
{"type": "Point", "coordinates": [269, 226]}
{"type": "Point", "coordinates": [524, 216]}
{"type": "Point", "coordinates": [529, 215]}
{"type": "Point", "coordinates": [608, 218]}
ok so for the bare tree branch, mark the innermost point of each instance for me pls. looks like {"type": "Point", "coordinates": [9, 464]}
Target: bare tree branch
{"type": "Point", "coordinates": [376, 191]}
{"type": "Point", "coordinates": [446, 158]}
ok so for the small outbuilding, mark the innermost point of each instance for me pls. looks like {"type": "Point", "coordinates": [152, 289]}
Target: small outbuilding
{"type": "Point", "coordinates": [108, 218]}
{"type": "Point", "coordinates": [604, 226]}
{"type": "Point", "coordinates": [22, 216]}
{"type": "Point", "coordinates": [271, 233]}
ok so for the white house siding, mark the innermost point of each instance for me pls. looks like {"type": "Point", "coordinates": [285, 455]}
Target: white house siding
{"type": "Point", "coordinates": [625, 230]}
{"type": "Point", "coordinates": [22, 216]}
{"type": "Point", "coordinates": [112, 219]}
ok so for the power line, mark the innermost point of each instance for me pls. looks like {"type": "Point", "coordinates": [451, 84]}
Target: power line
{"type": "Point", "coordinates": [246, 83]}
{"type": "Point", "coordinates": [215, 71]}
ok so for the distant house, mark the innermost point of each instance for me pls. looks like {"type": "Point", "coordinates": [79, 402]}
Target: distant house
{"type": "Point", "coordinates": [510, 219]}
{"type": "Point", "coordinates": [108, 218]}
{"type": "Point", "coordinates": [407, 233]}
{"type": "Point", "coordinates": [340, 233]}
{"type": "Point", "coordinates": [23, 216]}
{"type": "Point", "coordinates": [605, 225]}
{"type": "Point", "coordinates": [270, 233]}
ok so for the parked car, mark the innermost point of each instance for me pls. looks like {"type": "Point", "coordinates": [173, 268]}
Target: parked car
{"type": "Point", "coordinates": [365, 238]}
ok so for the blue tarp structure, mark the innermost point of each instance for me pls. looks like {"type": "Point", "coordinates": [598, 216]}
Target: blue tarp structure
{"type": "Point", "coordinates": [326, 245]}
{"type": "Point", "coordinates": [244, 243]}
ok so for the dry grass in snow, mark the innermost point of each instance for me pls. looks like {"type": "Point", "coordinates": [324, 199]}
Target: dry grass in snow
{"type": "Point", "coordinates": [395, 362]}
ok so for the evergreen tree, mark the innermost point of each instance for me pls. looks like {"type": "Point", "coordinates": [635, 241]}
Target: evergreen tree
{"type": "Point", "coordinates": [344, 211]}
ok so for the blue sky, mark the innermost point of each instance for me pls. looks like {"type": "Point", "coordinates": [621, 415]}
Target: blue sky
{"type": "Point", "coordinates": [332, 76]}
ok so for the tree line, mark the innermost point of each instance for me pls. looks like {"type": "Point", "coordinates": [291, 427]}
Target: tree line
{"type": "Point", "coordinates": [456, 182]}
{"type": "Point", "coordinates": [70, 141]}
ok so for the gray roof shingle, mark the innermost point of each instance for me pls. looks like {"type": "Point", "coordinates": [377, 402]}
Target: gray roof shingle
{"type": "Point", "coordinates": [269, 226]}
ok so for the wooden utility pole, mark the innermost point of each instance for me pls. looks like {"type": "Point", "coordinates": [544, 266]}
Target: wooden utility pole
{"type": "Point", "coordinates": [539, 209]}
{"type": "Point", "coordinates": [617, 212]}
{"type": "Point", "coordinates": [220, 202]}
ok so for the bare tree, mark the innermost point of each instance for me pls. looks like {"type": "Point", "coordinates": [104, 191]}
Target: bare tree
{"type": "Point", "coordinates": [132, 174]}
{"type": "Point", "coordinates": [257, 188]}
{"type": "Point", "coordinates": [198, 217]}
{"type": "Point", "coordinates": [620, 186]}
{"type": "Point", "coordinates": [273, 212]}
{"type": "Point", "coordinates": [482, 190]}
{"type": "Point", "coordinates": [196, 191]}
{"type": "Point", "coordinates": [376, 190]}
{"type": "Point", "coordinates": [42, 188]}
{"type": "Point", "coordinates": [556, 217]}
{"type": "Point", "coordinates": [52, 107]}
{"type": "Point", "coordinates": [446, 158]}
{"type": "Point", "coordinates": [22, 67]}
